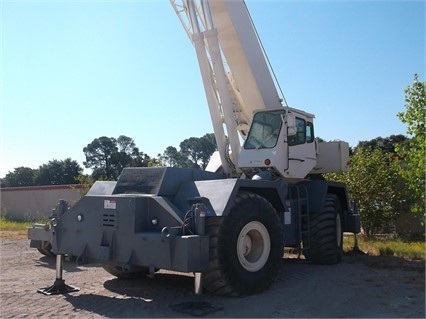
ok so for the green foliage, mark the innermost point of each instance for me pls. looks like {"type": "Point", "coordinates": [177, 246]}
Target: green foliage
{"type": "Point", "coordinates": [21, 176]}
{"type": "Point", "coordinates": [198, 150]}
{"type": "Point", "coordinates": [409, 249]}
{"type": "Point", "coordinates": [413, 153]}
{"type": "Point", "coordinates": [387, 175]}
{"type": "Point", "coordinates": [387, 144]}
{"type": "Point", "coordinates": [415, 113]}
{"type": "Point", "coordinates": [55, 172]}
{"type": "Point", "coordinates": [86, 181]}
{"type": "Point", "coordinates": [173, 158]}
{"type": "Point", "coordinates": [100, 155]}
{"type": "Point", "coordinates": [129, 155]}
{"type": "Point", "coordinates": [107, 157]}
{"type": "Point", "coordinates": [13, 224]}
{"type": "Point", "coordinates": [58, 172]}
{"type": "Point", "coordinates": [194, 152]}
{"type": "Point", "coordinates": [154, 162]}
{"type": "Point", "coordinates": [8, 224]}
{"type": "Point", "coordinates": [373, 182]}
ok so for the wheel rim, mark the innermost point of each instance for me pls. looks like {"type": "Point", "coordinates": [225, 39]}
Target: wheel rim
{"type": "Point", "coordinates": [253, 246]}
{"type": "Point", "coordinates": [338, 231]}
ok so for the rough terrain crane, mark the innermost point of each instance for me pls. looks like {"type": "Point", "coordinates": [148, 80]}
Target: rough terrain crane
{"type": "Point", "coordinates": [229, 224]}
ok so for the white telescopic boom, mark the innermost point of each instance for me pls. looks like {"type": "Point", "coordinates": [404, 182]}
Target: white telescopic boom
{"type": "Point", "coordinates": [244, 55]}
{"type": "Point", "coordinates": [233, 66]}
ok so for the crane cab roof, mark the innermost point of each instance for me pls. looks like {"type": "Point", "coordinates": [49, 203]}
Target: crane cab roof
{"type": "Point", "coordinates": [287, 109]}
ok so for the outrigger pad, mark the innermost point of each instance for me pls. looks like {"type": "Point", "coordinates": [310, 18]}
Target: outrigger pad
{"type": "Point", "coordinates": [59, 287]}
{"type": "Point", "coordinates": [197, 308]}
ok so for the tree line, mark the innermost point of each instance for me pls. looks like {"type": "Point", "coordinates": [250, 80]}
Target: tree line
{"type": "Point", "coordinates": [107, 156]}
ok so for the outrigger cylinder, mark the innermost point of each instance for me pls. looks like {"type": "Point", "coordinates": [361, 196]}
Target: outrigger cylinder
{"type": "Point", "coordinates": [59, 286]}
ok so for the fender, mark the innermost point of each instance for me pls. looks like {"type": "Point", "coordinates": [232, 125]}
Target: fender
{"type": "Point", "coordinates": [218, 195]}
{"type": "Point", "coordinates": [317, 191]}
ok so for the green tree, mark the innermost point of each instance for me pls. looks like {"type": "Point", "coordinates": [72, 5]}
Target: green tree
{"type": "Point", "coordinates": [413, 167]}
{"type": "Point", "coordinates": [199, 150]}
{"type": "Point", "coordinates": [129, 155]}
{"type": "Point", "coordinates": [101, 157]}
{"type": "Point", "coordinates": [107, 156]}
{"type": "Point", "coordinates": [208, 147]}
{"type": "Point", "coordinates": [21, 176]}
{"type": "Point", "coordinates": [387, 144]}
{"type": "Point", "coordinates": [374, 183]}
{"type": "Point", "coordinates": [86, 181]}
{"type": "Point", "coordinates": [173, 158]}
{"type": "Point", "coordinates": [194, 152]}
{"type": "Point", "coordinates": [155, 161]}
{"type": "Point", "coordinates": [190, 149]}
{"type": "Point", "coordinates": [58, 172]}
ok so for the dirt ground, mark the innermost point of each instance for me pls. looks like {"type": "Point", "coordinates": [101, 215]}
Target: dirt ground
{"type": "Point", "coordinates": [361, 286]}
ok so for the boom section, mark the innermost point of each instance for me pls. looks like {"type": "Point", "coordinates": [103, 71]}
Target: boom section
{"type": "Point", "coordinates": [234, 70]}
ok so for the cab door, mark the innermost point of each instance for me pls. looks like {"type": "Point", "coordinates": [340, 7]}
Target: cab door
{"type": "Point", "coordinates": [301, 147]}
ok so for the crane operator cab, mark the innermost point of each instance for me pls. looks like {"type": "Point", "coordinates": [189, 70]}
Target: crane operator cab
{"type": "Point", "coordinates": [280, 141]}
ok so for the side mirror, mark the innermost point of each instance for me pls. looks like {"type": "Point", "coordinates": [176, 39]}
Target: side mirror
{"type": "Point", "coordinates": [290, 121]}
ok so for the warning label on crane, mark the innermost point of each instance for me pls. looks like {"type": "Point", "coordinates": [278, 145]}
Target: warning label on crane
{"type": "Point", "coordinates": [110, 204]}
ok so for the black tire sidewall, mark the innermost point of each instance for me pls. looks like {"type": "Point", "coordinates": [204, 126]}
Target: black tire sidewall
{"type": "Point", "coordinates": [323, 247]}
{"type": "Point", "coordinates": [250, 207]}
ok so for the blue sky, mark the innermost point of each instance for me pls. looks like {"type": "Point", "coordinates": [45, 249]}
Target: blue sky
{"type": "Point", "coordinates": [73, 71]}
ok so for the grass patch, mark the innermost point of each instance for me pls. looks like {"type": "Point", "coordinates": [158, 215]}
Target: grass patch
{"type": "Point", "coordinates": [414, 250]}
{"type": "Point", "coordinates": [16, 229]}
{"type": "Point", "coordinates": [13, 229]}
{"type": "Point", "coordinates": [7, 224]}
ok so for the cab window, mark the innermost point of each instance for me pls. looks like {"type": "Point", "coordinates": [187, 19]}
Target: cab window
{"type": "Point", "coordinates": [309, 132]}
{"type": "Point", "coordinates": [265, 130]}
{"type": "Point", "coordinates": [300, 136]}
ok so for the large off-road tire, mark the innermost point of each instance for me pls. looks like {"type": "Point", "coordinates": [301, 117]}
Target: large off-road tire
{"type": "Point", "coordinates": [245, 247]}
{"type": "Point", "coordinates": [325, 245]}
{"type": "Point", "coordinates": [118, 272]}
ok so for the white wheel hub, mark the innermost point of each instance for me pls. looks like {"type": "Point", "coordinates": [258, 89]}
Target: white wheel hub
{"type": "Point", "coordinates": [253, 246]}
